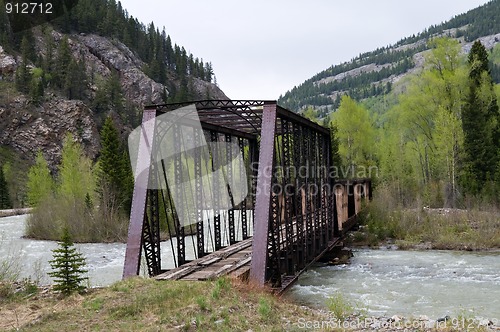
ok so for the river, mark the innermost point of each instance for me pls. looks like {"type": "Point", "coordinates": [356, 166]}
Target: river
{"type": "Point", "coordinates": [409, 283]}
{"type": "Point", "coordinates": [104, 260]}
{"type": "Point", "coordinates": [380, 282]}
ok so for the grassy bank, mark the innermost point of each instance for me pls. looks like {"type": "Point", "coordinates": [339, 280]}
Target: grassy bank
{"type": "Point", "coordinates": [428, 228]}
{"type": "Point", "coordinates": [148, 305]}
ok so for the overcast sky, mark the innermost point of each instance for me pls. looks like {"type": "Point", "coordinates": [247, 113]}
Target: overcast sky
{"type": "Point", "coordinates": [260, 49]}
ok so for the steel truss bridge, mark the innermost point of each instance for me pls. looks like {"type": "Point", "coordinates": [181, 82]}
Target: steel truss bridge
{"type": "Point", "coordinates": [247, 189]}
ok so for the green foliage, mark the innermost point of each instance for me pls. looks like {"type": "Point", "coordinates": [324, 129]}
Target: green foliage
{"type": "Point", "coordinates": [40, 183]}
{"type": "Point", "coordinates": [495, 55]}
{"type": "Point", "coordinates": [264, 308]}
{"type": "Point", "coordinates": [421, 139]}
{"type": "Point", "coordinates": [336, 159]}
{"type": "Point", "coordinates": [5, 202]}
{"type": "Point", "coordinates": [111, 153]}
{"type": "Point", "coordinates": [459, 229]}
{"type": "Point", "coordinates": [109, 99]}
{"type": "Point", "coordinates": [5, 32]}
{"type": "Point", "coordinates": [221, 285]}
{"type": "Point", "coordinates": [76, 179]}
{"type": "Point", "coordinates": [108, 18]}
{"type": "Point", "coordinates": [75, 81]}
{"type": "Point", "coordinates": [37, 84]}
{"type": "Point", "coordinates": [114, 165]}
{"type": "Point", "coordinates": [310, 114]}
{"type": "Point", "coordinates": [23, 75]}
{"type": "Point", "coordinates": [340, 307]}
{"type": "Point", "coordinates": [202, 303]}
{"type": "Point", "coordinates": [94, 304]}
{"type": "Point", "coordinates": [355, 135]}
{"type": "Point", "coordinates": [62, 63]}
{"type": "Point", "coordinates": [68, 265]}
{"type": "Point", "coordinates": [481, 124]}
{"type": "Point", "coordinates": [320, 91]}
{"type": "Point", "coordinates": [15, 171]}
{"type": "Point", "coordinates": [70, 203]}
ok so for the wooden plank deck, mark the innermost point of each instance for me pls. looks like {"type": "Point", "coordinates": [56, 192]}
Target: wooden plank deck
{"type": "Point", "coordinates": [235, 259]}
{"type": "Point", "coordinates": [232, 260]}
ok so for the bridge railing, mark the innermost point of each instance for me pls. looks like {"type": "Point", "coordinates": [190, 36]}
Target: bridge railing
{"type": "Point", "coordinates": [298, 200]}
{"type": "Point", "coordinates": [349, 196]}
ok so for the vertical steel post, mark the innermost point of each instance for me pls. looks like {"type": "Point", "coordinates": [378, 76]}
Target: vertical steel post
{"type": "Point", "coordinates": [243, 205]}
{"type": "Point", "coordinates": [179, 205]}
{"type": "Point", "coordinates": [290, 260]}
{"type": "Point", "coordinates": [198, 134]}
{"type": "Point", "coordinates": [229, 180]}
{"type": "Point", "coordinates": [299, 183]}
{"type": "Point", "coordinates": [214, 138]}
{"type": "Point", "coordinates": [263, 201]}
{"type": "Point", "coordinates": [254, 164]}
{"type": "Point", "coordinates": [137, 212]}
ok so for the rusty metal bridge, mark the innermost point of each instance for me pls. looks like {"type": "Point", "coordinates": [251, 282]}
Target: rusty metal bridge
{"type": "Point", "coordinates": [262, 201]}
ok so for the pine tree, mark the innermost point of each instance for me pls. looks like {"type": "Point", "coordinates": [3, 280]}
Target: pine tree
{"type": "Point", "coordinates": [37, 89]}
{"type": "Point", "coordinates": [5, 202]}
{"type": "Point", "coordinates": [114, 167]}
{"type": "Point", "coordinates": [5, 30]}
{"type": "Point", "coordinates": [115, 94]}
{"type": "Point", "coordinates": [109, 160]}
{"type": "Point", "coordinates": [480, 117]}
{"type": "Point", "coordinates": [23, 75]}
{"type": "Point", "coordinates": [63, 62]}
{"type": "Point", "coordinates": [75, 82]}
{"type": "Point", "coordinates": [68, 265]}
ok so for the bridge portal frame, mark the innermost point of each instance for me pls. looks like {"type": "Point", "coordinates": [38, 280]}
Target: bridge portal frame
{"type": "Point", "coordinates": [290, 228]}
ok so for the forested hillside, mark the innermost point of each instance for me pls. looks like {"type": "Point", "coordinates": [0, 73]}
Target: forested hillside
{"type": "Point", "coordinates": [83, 75]}
{"type": "Point", "coordinates": [163, 61]}
{"type": "Point", "coordinates": [374, 73]}
{"type": "Point", "coordinates": [437, 143]}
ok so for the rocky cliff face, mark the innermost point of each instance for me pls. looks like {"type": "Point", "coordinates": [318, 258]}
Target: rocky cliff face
{"type": "Point", "coordinates": [28, 128]}
{"type": "Point", "coordinates": [44, 128]}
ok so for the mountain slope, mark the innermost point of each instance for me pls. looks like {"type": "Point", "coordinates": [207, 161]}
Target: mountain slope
{"type": "Point", "coordinates": [373, 73]}
{"type": "Point", "coordinates": [68, 75]}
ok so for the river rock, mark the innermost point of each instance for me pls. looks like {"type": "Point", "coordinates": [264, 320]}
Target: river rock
{"type": "Point", "coordinates": [395, 319]}
{"type": "Point", "coordinates": [423, 318]}
{"type": "Point", "coordinates": [443, 319]}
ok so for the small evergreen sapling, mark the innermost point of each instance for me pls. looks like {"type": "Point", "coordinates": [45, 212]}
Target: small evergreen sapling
{"type": "Point", "coordinates": [68, 265]}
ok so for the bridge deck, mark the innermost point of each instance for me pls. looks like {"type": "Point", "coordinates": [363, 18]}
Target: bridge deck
{"type": "Point", "coordinates": [233, 260]}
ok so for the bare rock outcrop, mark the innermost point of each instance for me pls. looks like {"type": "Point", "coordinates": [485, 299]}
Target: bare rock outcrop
{"type": "Point", "coordinates": [7, 63]}
{"type": "Point", "coordinates": [28, 128]}
{"type": "Point", "coordinates": [45, 127]}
